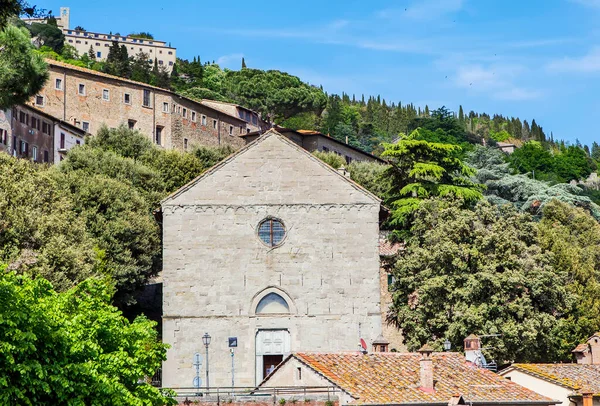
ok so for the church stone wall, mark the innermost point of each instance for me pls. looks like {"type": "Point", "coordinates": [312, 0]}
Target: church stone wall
{"type": "Point", "coordinates": [215, 266]}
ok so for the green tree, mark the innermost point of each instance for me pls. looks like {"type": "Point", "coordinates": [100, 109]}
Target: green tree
{"type": "Point", "coordinates": [73, 347]}
{"type": "Point", "coordinates": [331, 158]}
{"type": "Point", "coordinates": [48, 35]}
{"type": "Point", "coordinates": [420, 170]}
{"type": "Point", "coordinates": [573, 237]}
{"type": "Point", "coordinates": [22, 71]}
{"type": "Point", "coordinates": [40, 231]}
{"type": "Point", "coordinates": [371, 176]}
{"type": "Point", "coordinates": [479, 271]}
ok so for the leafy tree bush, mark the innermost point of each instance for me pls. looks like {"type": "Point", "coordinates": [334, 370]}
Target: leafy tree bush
{"type": "Point", "coordinates": [525, 193]}
{"type": "Point", "coordinates": [573, 238]}
{"type": "Point", "coordinates": [40, 231]}
{"type": "Point", "coordinates": [371, 176]}
{"type": "Point", "coordinates": [22, 71]}
{"type": "Point", "coordinates": [479, 271]}
{"type": "Point", "coordinates": [331, 158]}
{"type": "Point", "coordinates": [420, 170]}
{"type": "Point", "coordinates": [48, 35]}
{"type": "Point", "coordinates": [73, 347]}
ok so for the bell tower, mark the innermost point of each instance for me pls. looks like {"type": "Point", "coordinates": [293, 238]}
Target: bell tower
{"type": "Point", "coordinates": [64, 17]}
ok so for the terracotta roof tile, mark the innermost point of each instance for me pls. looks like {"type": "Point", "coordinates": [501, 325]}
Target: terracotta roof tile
{"type": "Point", "coordinates": [581, 348]}
{"type": "Point", "coordinates": [388, 248]}
{"type": "Point", "coordinates": [578, 377]}
{"type": "Point", "coordinates": [384, 378]}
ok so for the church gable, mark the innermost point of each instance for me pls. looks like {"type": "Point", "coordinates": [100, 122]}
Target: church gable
{"type": "Point", "coordinates": [271, 170]}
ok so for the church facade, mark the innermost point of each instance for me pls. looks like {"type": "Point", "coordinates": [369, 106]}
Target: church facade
{"type": "Point", "coordinates": [272, 248]}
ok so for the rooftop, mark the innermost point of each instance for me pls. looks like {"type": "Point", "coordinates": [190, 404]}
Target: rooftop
{"type": "Point", "coordinates": [393, 378]}
{"type": "Point", "coordinates": [578, 377]}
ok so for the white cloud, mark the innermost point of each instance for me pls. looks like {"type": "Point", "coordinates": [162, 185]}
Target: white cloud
{"type": "Point", "coordinates": [228, 60]}
{"type": "Point", "coordinates": [423, 10]}
{"type": "Point", "coordinates": [589, 63]}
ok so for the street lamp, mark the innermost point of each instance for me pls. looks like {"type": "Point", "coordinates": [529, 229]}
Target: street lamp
{"type": "Point", "coordinates": [206, 341]}
{"type": "Point", "coordinates": [447, 345]}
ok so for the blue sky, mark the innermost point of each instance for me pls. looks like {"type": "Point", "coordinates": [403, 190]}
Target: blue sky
{"type": "Point", "coordinates": [524, 58]}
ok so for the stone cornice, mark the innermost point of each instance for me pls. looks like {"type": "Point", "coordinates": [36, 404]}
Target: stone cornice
{"type": "Point", "coordinates": [202, 208]}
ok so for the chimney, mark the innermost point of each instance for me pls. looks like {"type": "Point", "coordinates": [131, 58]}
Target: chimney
{"type": "Point", "coordinates": [594, 343]}
{"type": "Point", "coordinates": [472, 348]}
{"type": "Point", "coordinates": [588, 398]}
{"type": "Point", "coordinates": [426, 369]}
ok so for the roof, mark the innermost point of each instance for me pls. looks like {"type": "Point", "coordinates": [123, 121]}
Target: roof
{"type": "Point", "coordinates": [269, 133]}
{"type": "Point", "coordinates": [76, 68]}
{"type": "Point", "coordinates": [581, 348]}
{"type": "Point", "coordinates": [577, 377]}
{"type": "Point", "coordinates": [318, 134]}
{"type": "Point", "coordinates": [393, 378]}
{"type": "Point", "coordinates": [55, 119]}
{"type": "Point", "coordinates": [388, 248]}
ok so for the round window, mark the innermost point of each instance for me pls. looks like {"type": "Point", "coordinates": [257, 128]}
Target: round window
{"type": "Point", "coordinates": [271, 232]}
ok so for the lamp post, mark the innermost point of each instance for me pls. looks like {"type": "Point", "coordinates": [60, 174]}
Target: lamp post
{"type": "Point", "coordinates": [206, 341]}
{"type": "Point", "coordinates": [447, 345]}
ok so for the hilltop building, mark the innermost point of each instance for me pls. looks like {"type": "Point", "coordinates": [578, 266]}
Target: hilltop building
{"type": "Point", "coordinates": [576, 384]}
{"type": "Point", "coordinates": [421, 378]}
{"type": "Point", "coordinates": [88, 99]}
{"type": "Point", "coordinates": [164, 54]}
{"type": "Point", "coordinates": [274, 251]}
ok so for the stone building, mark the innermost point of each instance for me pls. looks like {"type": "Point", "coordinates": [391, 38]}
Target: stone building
{"type": "Point", "coordinates": [316, 141]}
{"type": "Point", "coordinates": [82, 41]}
{"type": "Point", "coordinates": [89, 99]}
{"type": "Point", "coordinates": [575, 384]}
{"type": "Point", "coordinates": [40, 137]}
{"type": "Point", "coordinates": [271, 247]}
{"type": "Point", "coordinates": [5, 130]}
{"type": "Point", "coordinates": [252, 119]}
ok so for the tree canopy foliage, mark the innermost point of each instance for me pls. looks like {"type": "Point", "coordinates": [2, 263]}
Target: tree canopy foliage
{"type": "Point", "coordinates": [420, 170]}
{"type": "Point", "coordinates": [479, 271]}
{"type": "Point", "coordinates": [74, 347]}
{"type": "Point", "coordinates": [22, 71]}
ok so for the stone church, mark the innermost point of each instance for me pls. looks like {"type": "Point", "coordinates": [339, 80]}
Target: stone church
{"type": "Point", "coordinates": [276, 249]}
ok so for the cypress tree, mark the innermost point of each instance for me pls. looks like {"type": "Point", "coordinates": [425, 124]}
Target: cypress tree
{"type": "Point", "coordinates": [243, 63]}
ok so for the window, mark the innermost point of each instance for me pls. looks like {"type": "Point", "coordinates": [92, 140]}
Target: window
{"type": "Point", "coordinates": [241, 130]}
{"type": "Point", "coordinates": [46, 156]}
{"type": "Point", "coordinates": [34, 123]}
{"type": "Point", "coordinates": [131, 124]}
{"type": "Point", "coordinates": [185, 144]}
{"type": "Point", "coordinates": [214, 123]}
{"type": "Point", "coordinates": [78, 142]}
{"type": "Point", "coordinates": [170, 52]}
{"type": "Point", "coordinates": [85, 126]}
{"type": "Point", "coordinates": [58, 84]}
{"type": "Point", "coordinates": [105, 94]}
{"type": "Point", "coordinates": [39, 100]}
{"type": "Point", "coordinates": [194, 116]}
{"type": "Point", "coordinates": [24, 148]}
{"type": "Point", "coordinates": [160, 62]}
{"type": "Point", "coordinates": [272, 303]}
{"type": "Point", "coordinates": [390, 282]}
{"type": "Point", "coordinates": [3, 136]}
{"type": "Point", "coordinates": [62, 141]}
{"type": "Point", "coordinates": [146, 101]}
{"type": "Point", "coordinates": [230, 130]}
{"type": "Point", "coordinates": [97, 44]}
{"type": "Point", "coordinates": [170, 63]}
{"type": "Point", "coordinates": [22, 117]}
{"type": "Point", "coordinates": [203, 120]}
{"type": "Point", "coordinates": [78, 42]}
{"type": "Point", "coordinates": [127, 98]}
{"type": "Point", "coordinates": [184, 112]}
{"type": "Point", "coordinates": [71, 41]}
{"type": "Point", "coordinates": [34, 153]}
{"type": "Point", "coordinates": [299, 373]}
{"type": "Point", "coordinates": [271, 232]}
{"type": "Point", "coordinates": [158, 135]}
{"type": "Point", "coordinates": [99, 54]}
{"type": "Point", "coordinates": [165, 107]}
{"type": "Point", "coordinates": [81, 89]}
{"type": "Point", "coordinates": [46, 127]}
{"type": "Point", "coordinates": [85, 42]}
